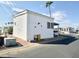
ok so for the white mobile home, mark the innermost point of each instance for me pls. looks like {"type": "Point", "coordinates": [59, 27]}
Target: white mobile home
{"type": "Point", "coordinates": [27, 24]}
{"type": "Point", "coordinates": [67, 30]}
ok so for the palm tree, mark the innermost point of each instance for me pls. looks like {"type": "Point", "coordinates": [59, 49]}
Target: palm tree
{"type": "Point", "coordinates": [48, 4]}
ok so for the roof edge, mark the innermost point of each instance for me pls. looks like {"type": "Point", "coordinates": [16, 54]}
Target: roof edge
{"type": "Point", "coordinates": [33, 12]}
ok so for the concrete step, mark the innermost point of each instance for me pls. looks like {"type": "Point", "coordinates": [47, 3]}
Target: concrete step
{"type": "Point", "coordinates": [21, 41]}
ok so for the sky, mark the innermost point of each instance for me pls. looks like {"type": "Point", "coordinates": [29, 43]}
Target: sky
{"type": "Point", "coordinates": [66, 13]}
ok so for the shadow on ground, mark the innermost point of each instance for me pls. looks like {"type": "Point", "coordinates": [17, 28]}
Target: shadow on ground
{"type": "Point", "coordinates": [62, 39]}
{"type": "Point", "coordinates": [14, 46]}
{"type": "Point", "coordinates": [7, 47]}
{"type": "Point", "coordinates": [65, 40]}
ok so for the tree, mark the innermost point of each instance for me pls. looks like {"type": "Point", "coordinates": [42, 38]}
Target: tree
{"type": "Point", "coordinates": [10, 30]}
{"type": "Point", "coordinates": [48, 4]}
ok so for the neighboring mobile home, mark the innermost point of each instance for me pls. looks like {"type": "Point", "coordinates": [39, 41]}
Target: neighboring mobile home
{"type": "Point", "coordinates": [1, 30]}
{"type": "Point", "coordinates": [27, 24]}
{"type": "Point", "coordinates": [66, 30]}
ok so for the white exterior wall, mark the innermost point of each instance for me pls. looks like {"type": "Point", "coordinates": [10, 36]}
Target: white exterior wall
{"type": "Point", "coordinates": [20, 26]}
{"type": "Point", "coordinates": [25, 26]}
{"type": "Point", "coordinates": [33, 19]}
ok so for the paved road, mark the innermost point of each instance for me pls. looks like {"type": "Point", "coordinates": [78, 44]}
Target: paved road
{"type": "Point", "coordinates": [51, 51]}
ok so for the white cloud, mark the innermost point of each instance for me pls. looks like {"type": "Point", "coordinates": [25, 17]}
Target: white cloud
{"type": "Point", "coordinates": [61, 18]}
{"type": "Point", "coordinates": [2, 2]}
{"type": "Point", "coordinates": [65, 22]}
{"type": "Point", "coordinates": [17, 9]}
{"type": "Point", "coordinates": [59, 15]}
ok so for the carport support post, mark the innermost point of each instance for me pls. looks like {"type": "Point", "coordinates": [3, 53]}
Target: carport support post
{"type": "Point", "coordinates": [53, 27]}
{"type": "Point", "coordinates": [58, 30]}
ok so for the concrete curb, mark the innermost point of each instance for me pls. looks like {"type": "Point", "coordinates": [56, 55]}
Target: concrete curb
{"type": "Point", "coordinates": [17, 50]}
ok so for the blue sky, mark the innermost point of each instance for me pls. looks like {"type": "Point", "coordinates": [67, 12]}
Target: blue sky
{"type": "Point", "coordinates": [66, 13]}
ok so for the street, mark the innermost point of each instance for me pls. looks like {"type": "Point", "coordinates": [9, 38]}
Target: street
{"type": "Point", "coordinates": [51, 51]}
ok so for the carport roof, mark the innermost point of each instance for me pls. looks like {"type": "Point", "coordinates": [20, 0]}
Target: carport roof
{"type": "Point", "coordinates": [56, 23]}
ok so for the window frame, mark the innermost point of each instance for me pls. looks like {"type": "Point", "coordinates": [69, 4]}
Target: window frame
{"type": "Point", "coordinates": [48, 25]}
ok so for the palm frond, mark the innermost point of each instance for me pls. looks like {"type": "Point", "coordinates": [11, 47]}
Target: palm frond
{"type": "Point", "coordinates": [48, 3]}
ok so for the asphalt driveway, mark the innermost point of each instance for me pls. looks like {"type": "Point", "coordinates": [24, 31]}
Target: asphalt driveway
{"type": "Point", "coordinates": [64, 40]}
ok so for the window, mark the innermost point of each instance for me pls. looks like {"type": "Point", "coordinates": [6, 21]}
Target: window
{"type": "Point", "coordinates": [61, 29]}
{"type": "Point", "coordinates": [64, 29]}
{"type": "Point", "coordinates": [15, 23]}
{"type": "Point", "coordinates": [48, 24]}
{"type": "Point", "coordinates": [38, 23]}
{"type": "Point", "coordinates": [51, 25]}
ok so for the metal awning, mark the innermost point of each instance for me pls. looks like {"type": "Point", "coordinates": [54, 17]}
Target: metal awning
{"type": "Point", "coordinates": [56, 24]}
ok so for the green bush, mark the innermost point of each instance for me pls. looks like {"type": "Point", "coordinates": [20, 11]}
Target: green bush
{"type": "Point", "coordinates": [10, 30]}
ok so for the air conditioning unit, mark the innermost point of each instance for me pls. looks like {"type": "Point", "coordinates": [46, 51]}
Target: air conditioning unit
{"type": "Point", "coordinates": [9, 41]}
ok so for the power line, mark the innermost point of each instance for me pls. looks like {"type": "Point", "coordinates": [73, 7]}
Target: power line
{"type": "Point", "coordinates": [10, 5]}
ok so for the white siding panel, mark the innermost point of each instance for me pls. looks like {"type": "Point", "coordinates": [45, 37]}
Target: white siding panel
{"type": "Point", "coordinates": [43, 31]}
{"type": "Point", "coordinates": [20, 27]}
